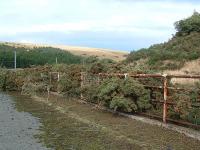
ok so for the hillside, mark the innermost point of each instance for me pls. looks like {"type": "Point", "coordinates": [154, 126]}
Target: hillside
{"type": "Point", "coordinates": [35, 56]}
{"type": "Point", "coordinates": [181, 49]}
{"type": "Point", "coordinates": [170, 55]}
{"type": "Point", "coordinates": [81, 51]}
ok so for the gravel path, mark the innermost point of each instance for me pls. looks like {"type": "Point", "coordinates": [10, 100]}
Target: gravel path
{"type": "Point", "coordinates": [17, 129]}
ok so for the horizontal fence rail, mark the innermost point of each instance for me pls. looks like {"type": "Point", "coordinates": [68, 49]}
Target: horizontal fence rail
{"type": "Point", "coordinates": [165, 78]}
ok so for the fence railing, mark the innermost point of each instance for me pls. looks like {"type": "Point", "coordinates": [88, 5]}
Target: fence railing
{"type": "Point", "coordinates": [165, 78]}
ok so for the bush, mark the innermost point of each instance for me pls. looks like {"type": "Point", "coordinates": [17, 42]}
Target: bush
{"type": "Point", "coordinates": [183, 104]}
{"type": "Point", "coordinates": [14, 80]}
{"type": "Point", "coordinates": [186, 26]}
{"type": "Point", "coordinates": [120, 103]}
{"type": "Point", "coordinates": [99, 66]}
{"type": "Point", "coordinates": [90, 93]}
{"type": "Point", "coordinates": [70, 79]}
{"type": "Point", "coordinates": [3, 76]}
{"type": "Point", "coordinates": [136, 91]}
{"type": "Point", "coordinates": [194, 116]}
{"type": "Point", "coordinates": [68, 86]}
{"type": "Point", "coordinates": [124, 95]}
{"type": "Point", "coordinates": [32, 89]}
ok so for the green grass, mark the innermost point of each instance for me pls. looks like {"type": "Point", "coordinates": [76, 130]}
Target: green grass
{"type": "Point", "coordinates": [35, 56]}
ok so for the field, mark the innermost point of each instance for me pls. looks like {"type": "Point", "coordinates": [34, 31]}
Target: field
{"type": "Point", "coordinates": [82, 51]}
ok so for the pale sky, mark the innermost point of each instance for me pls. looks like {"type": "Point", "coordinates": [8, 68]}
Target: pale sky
{"type": "Point", "coordinates": [114, 24]}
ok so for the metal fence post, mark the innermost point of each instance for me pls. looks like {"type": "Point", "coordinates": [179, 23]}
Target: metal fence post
{"type": "Point", "coordinates": [165, 99]}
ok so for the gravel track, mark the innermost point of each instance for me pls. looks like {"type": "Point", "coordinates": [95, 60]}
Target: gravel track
{"type": "Point", "coordinates": [17, 129]}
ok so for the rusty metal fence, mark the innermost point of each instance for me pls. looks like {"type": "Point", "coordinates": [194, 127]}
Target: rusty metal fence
{"type": "Point", "coordinates": [165, 102]}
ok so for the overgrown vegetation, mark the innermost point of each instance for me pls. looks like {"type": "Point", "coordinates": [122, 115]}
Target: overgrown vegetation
{"type": "Point", "coordinates": [184, 46]}
{"type": "Point", "coordinates": [35, 56]}
{"type": "Point", "coordinates": [186, 26]}
{"type": "Point", "coordinates": [127, 95]}
{"type": "Point", "coordinates": [120, 95]}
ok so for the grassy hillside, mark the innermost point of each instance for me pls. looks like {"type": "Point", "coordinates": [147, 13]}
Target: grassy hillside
{"type": "Point", "coordinates": [35, 56]}
{"type": "Point", "coordinates": [183, 47]}
{"type": "Point", "coordinates": [80, 51]}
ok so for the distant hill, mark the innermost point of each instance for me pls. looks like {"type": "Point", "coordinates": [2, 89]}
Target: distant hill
{"type": "Point", "coordinates": [27, 57]}
{"type": "Point", "coordinates": [181, 49]}
{"type": "Point", "coordinates": [81, 51]}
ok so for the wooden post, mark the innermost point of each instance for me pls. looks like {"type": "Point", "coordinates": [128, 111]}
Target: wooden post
{"type": "Point", "coordinates": [48, 92]}
{"type": "Point", "coordinates": [81, 84]}
{"type": "Point", "coordinates": [50, 78]}
{"type": "Point", "coordinates": [98, 79]}
{"type": "Point", "coordinates": [165, 99]}
{"type": "Point", "coordinates": [125, 76]}
{"type": "Point", "coordinates": [151, 97]}
{"type": "Point", "coordinates": [58, 76]}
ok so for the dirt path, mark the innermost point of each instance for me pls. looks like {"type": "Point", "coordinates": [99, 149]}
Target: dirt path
{"type": "Point", "coordinates": [136, 132]}
{"type": "Point", "coordinates": [17, 129]}
{"type": "Point", "coordinates": [67, 124]}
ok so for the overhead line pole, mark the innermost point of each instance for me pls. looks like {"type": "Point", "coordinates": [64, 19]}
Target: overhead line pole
{"type": "Point", "coordinates": [15, 60]}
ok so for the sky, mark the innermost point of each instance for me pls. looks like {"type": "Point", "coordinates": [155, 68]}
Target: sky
{"type": "Point", "coordinates": [112, 24]}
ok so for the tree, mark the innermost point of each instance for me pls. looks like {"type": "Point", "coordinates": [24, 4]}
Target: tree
{"type": "Point", "coordinates": [188, 25]}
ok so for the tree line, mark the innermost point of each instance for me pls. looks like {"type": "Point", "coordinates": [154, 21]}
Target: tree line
{"type": "Point", "coordinates": [35, 56]}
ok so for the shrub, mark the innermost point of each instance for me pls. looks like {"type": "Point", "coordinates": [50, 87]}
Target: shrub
{"type": "Point", "coordinates": [32, 89]}
{"type": "Point", "coordinates": [68, 86]}
{"type": "Point", "coordinates": [194, 116]}
{"type": "Point", "coordinates": [70, 79]}
{"type": "Point", "coordinates": [99, 66]}
{"type": "Point", "coordinates": [136, 91]}
{"type": "Point", "coordinates": [120, 103]}
{"type": "Point", "coordinates": [183, 104]}
{"type": "Point", "coordinates": [3, 76]}
{"type": "Point", "coordinates": [14, 80]}
{"type": "Point", "coordinates": [191, 24]}
{"type": "Point", "coordinates": [90, 93]}
{"type": "Point", "coordinates": [125, 95]}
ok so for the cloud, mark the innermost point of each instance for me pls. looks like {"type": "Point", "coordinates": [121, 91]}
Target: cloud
{"type": "Point", "coordinates": [112, 25]}
{"type": "Point", "coordinates": [63, 27]}
{"type": "Point", "coordinates": [137, 19]}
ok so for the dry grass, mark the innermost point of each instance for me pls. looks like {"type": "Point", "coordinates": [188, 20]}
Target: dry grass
{"type": "Point", "coordinates": [83, 51]}
{"type": "Point", "coordinates": [192, 67]}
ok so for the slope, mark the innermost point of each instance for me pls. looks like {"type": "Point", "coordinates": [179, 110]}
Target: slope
{"type": "Point", "coordinates": [81, 51]}
{"type": "Point", "coordinates": [182, 48]}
